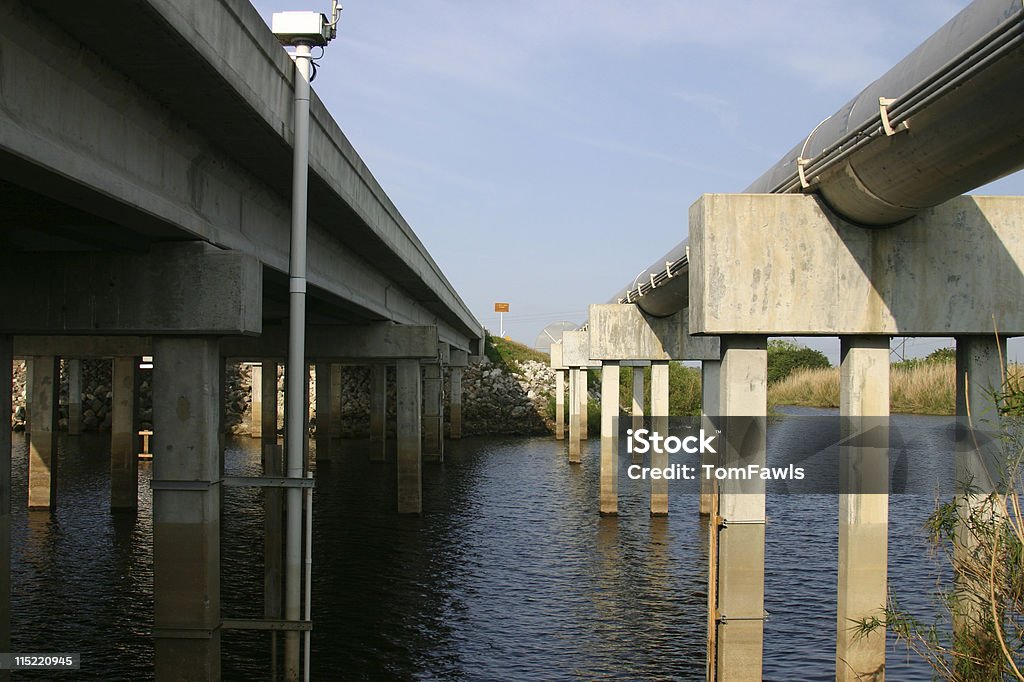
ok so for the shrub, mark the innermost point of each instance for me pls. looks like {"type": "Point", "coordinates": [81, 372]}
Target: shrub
{"type": "Point", "coordinates": [784, 357]}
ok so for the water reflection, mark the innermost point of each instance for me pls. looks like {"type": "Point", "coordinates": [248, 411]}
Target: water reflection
{"type": "Point", "coordinates": [509, 574]}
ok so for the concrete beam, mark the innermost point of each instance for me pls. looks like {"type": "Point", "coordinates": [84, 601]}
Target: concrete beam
{"type": "Point", "coordinates": [444, 353]}
{"type": "Point", "coordinates": [576, 350]}
{"type": "Point", "coordinates": [186, 508]}
{"type": "Point", "coordinates": [255, 400]}
{"type": "Point", "coordinates": [624, 332]}
{"type": "Point", "coordinates": [214, 292]}
{"type": "Point", "coordinates": [458, 358]}
{"type": "Point", "coordinates": [341, 343]}
{"type": "Point", "coordinates": [946, 272]}
{"type": "Point", "coordinates": [556, 356]}
{"type": "Point", "coordinates": [83, 346]}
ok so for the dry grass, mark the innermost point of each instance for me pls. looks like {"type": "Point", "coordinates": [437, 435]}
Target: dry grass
{"type": "Point", "coordinates": [924, 388]}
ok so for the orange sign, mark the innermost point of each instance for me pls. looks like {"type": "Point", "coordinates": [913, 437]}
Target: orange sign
{"type": "Point", "coordinates": [501, 307]}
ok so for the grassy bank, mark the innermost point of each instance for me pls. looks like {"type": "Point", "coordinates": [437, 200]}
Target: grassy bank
{"type": "Point", "coordinates": [915, 388]}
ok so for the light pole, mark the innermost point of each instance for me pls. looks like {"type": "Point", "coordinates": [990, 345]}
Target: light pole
{"type": "Point", "coordinates": [303, 30]}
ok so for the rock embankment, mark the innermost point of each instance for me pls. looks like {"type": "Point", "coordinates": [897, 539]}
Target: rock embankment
{"type": "Point", "coordinates": [515, 399]}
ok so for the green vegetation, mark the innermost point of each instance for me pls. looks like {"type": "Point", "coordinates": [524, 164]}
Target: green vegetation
{"type": "Point", "coordinates": [785, 357]}
{"type": "Point", "coordinates": [510, 353]}
{"type": "Point", "coordinates": [683, 389]}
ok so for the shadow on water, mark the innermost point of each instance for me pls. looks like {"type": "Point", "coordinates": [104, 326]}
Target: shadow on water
{"type": "Point", "coordinates": [510, 573]}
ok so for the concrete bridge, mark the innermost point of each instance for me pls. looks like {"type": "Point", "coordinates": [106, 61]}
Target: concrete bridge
{"type": "Point", "coordinates": [145, 191]}
{"type": "Point", "coordinates": [859, 232]}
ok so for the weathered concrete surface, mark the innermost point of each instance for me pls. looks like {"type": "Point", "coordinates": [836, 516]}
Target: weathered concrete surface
{"type": "Point", "coordinates": [186, 508]}
{"type": "Point", "coordinates": [409, 437]}
{"type": "Point", "coordinates": [978, 463]}
{"type": "Point", "coordinates": [42, 453]}
{"type": "Point", "coordinates": [341, 343]}
{"type": "Point", "coordinates": [455, 403]}
{"type": "Point", "coordinates": [863, 517]}
{"type": "Point", "coordinates": [6, 360]}
{"type": "Point", "coordinates": [744, 394]}
{"type": "Point", "coordinates": [609, 438]}
{"type": "Point", "coordinates": [946, 272]}
{"type": "Point", "coordinates": [433, 418]}
{"type": "Point", "coordinates": [624, 332]}
{"type": "Point", "coordinates": [583, 392]}
{"type": "Point", "coordinates": [574, 417]}
{"type": "Point", "coordinates": [214, 291]}
{"type": "Point", "coordinates": [378, 412]}
{"type": "Point", "coordinates": [559, 404]}
{"type": "Point", "coordinates": [711, 410]}
{"type": "Point", "coordinates": [576, 350]}
{"type": "Point", "coordinates": [182, 129]}
{"type": "Point", "coordinates": [256, 403]}
{"type": "Point", "coordinates": [124, 455]}
{"type": "Point", "coordinates": [73, 368]}
{"type": "Point", "coordinates": [659, 424]}
{"type": "Point", "coordinates": [324, 398]}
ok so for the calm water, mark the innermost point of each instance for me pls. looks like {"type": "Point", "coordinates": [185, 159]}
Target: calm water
{"type": "Point", "coordinates": [509, 574]}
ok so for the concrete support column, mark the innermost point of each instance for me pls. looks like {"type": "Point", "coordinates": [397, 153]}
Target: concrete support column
{"type": "Point", "coordinates": [559, 404]}
{"type": "Point", "coordinates": [124, 458]}
{"type": "Point", "coordinates": [584, 396]}
{"type": "Point", "coordinates": [863, 507]}
{"type": "Point", "coordinates": [978, 464]}
{"type": "Point", "coordinates": [574, 416]}
{"type": "Point", "coordinates": [73, 367]}
{"type": "Point", "coordinates": [334, 427]}
{"type": "Point", "coordinates": [378, 412]}
{"type": "Point", "coordinates": [710, 411]}
{"type": "Point", "coordinates": [455, 403]}
{"type": "Point", "coordinates": [433, 415]}
{"type": "Point", "coordinates": [273, 498]}
{"type": "Point", "coordinates": [409, 397]}
{"type": "Point", "coordinates": [42, 456]}
{"type": "Point", "coordinates": [256, 400]}
{"type": "Point", "coordinates": [739, 579]}
{"type": "Point", "coordinates": [638, 398]}
{"type": "Point", "coordinates": [659, 424]}
{"type": "Point", "coordinates": [609, 438]}
{"type": "Point", "coordinates": [186, 507]}
{"type": "Point", "coordinates": [324, 398]}
{"type": "Point", "coordinates": [6, 377]}
{"type": "Point", "coordinates": [29, 366]}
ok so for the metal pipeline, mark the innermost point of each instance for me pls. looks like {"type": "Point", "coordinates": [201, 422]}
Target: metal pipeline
{"type": "Point", "coordinates": [946, 119]}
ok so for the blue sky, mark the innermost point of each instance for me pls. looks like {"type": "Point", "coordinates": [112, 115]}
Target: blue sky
{"type": "Point", "coordinates": [546, 151]}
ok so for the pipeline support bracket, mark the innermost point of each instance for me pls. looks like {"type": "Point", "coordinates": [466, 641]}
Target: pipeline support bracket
{"type": "Point", "coordinates": [883, 110]}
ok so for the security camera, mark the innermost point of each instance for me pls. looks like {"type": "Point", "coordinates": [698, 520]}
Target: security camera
{"type": "Point", "coordinates": [292, 28]}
